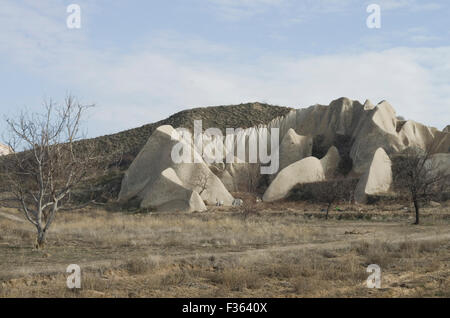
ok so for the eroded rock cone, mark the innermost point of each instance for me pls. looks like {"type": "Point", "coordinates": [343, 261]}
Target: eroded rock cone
{"type": "Point", "coordinates": [377, 179]}
{"type": "Point", "coordinates": [158, 182]}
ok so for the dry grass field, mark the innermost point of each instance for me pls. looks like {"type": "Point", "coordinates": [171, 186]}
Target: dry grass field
{"type": "Point", "coordinates": [285, 250]}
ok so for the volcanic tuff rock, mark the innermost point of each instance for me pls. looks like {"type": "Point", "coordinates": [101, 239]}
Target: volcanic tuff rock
{"type": "Point", "coordinates": [366, 126]}
{"type": "Point", "coordinates": [4, 150]}
{"type": "Point", "coordinates": [148, 179]}
{"type": "Point", "coordinates": [307, 170]}
{"type": "Point", "coordinates": [440, 163]}
{"type": "Point", "coordinates": [330, 162]}
{"type": "Point", "coordinates": [294, 147]}
{"type": "Point", "coordinates": [377, 179]}
{"type": "Point", "coordinates": [168, 193]}
{"type": "Point", "coordinates": [303, 171]}
{"type": "Point", "coordinates": [237, 176]}
{"type": "Point", "coordinates": [364, 135]}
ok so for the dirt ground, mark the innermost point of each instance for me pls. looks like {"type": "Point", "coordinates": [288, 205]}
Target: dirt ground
{"type": "Point", "coordinates": [283, 250]}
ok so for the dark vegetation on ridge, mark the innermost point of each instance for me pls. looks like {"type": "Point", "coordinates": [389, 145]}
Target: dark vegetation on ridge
{"type": "Point", "coordinates": [130, 142]}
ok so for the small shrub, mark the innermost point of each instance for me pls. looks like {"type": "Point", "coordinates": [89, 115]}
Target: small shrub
{"type": "Point", "coordinates": [306, 285]}
{"type": "Point", "coordinates": [284, 270]}
{"type": "Point", "coordinates": [91, 281]}
{"type": "Point", "coordinates": [327, 192]}
{"type": "Point", "coordinates": [175, 278]}
{"type": "Point", "coordinates": [328, 254]}
{"type": "Point", "coordinates": [138, 266]}
{"type": "Point", "coordinates": [429, 246]}
{"type": "Point", "coordinates": [249, 209]}
{"type": "Point", "coordinates": [237, 279]}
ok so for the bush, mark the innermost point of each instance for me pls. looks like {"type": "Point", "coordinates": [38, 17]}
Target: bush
{"type": "Point", "coordinates": [237, 279]}
{"type": "Point", "coordinates": [322, 192]}
{"type": "Point", "coordinates": [139, 266]}
{"type": "Point", "coordinates": [327, 192]}
{"type": "Point", "coordinates": [382, 198]}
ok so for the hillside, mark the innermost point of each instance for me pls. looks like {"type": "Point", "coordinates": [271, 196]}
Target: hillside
{"type": "Point", "coordinates": [222, 117]}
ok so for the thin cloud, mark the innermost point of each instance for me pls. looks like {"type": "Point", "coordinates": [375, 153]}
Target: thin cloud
{"type": "Point", "coordinates": [239, 9]}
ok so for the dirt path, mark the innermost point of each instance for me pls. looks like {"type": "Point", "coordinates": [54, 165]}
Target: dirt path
{"type": "Point", "coordinates": [341, 244]}
{"type": "Point", "coordinates": [317, 246]}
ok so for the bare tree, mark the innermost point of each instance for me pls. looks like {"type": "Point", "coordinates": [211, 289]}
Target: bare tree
{"type": "Point", "coordinates": [249, 208]}
{"type": "Point", "coordinates": [201, 181]}
{"type": "Point", "coordinates": [46, 164]}
{"type": "Point", "coordinates": [333, 191]}
{"type": "Point", "coordinates": [253, 177]}
{"type": "Point", "coordinates": [418, 176]}
{"type": "Point", "coordinates": [329, 192]}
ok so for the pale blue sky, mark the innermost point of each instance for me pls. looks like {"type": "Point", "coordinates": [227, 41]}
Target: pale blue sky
{"type": "Point", "coordinates": [141, 61]}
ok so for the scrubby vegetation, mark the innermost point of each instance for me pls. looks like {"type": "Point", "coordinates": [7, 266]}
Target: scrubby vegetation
{"type": "Point", "coordinates": [328, 192]}
{"type": "Point", "coordinates": [130, 142]}
{"type": "Point", "coordinates": [284, 251]}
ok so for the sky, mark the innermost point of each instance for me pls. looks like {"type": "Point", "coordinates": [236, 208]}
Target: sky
{"type": "Point", "coordinates": [141, 61]}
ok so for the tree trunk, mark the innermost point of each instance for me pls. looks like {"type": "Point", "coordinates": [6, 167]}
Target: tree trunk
{"type": "Point", "coordinates": [416, 207]}
{"type": "Point", "coordinates": [328, 209]}
{"type": "Point", "coordinates": [40, 239]}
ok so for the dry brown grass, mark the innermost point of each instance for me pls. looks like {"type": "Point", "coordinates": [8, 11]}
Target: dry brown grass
{"type": "Point", "coordinates": [237, 279]}
{"type": "Point", "coordinates": [293, 274]}
{"type": "Point", "coordinates": [218, 253]}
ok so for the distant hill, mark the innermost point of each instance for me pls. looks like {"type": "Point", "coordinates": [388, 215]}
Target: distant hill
{"type": "Point", "coordinates": [222, 117]}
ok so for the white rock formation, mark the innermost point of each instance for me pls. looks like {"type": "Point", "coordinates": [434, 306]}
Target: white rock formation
{"type": "Point", "coordinates": [441, 142]}
{"type": "Point", "coordinates": [168, 193]}
{"type": "Point", "coordinates": [148, 174]}
{"type": "Point", "coordinates": [294, 147]}
{"type": "Point", "coordinates": [440, 163]}
{"type": "Point", "coordinates": [330, 162]}
{"type": "Point", "coordinates": [236, 176]}
{"type": "Point", "coordinates": [304, 171]}
{"type": "Point", "coordinates": [4, 150]}
{"type": "Point", "coordinates": [414, 134]}
{"type": "Point", "coordinates": [344, 124]}
{"type": "Point", "coordinates": [369, 127]}
{"type": "Point", "coordinates": [377, 179]}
